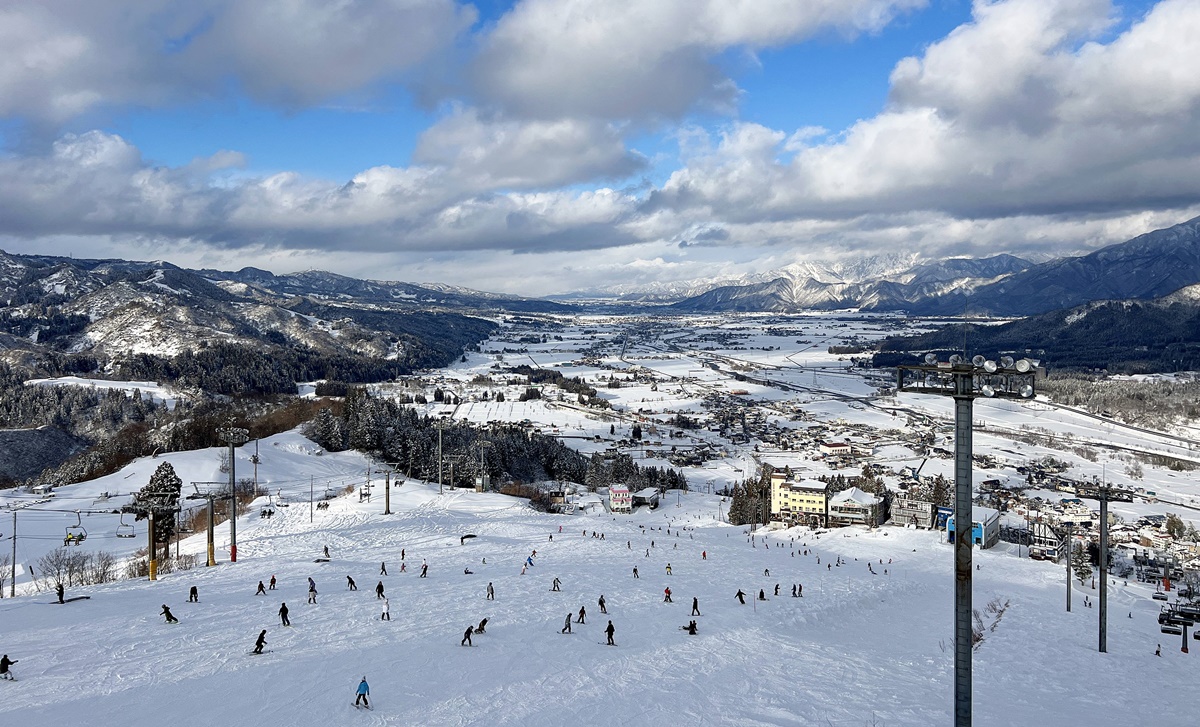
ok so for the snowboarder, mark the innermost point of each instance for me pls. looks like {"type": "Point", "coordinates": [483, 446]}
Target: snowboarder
{"type": "Point", "coordinates": [762, 596]}
{"type": "Point", "coordinates": [262, 591]}
{"type": "Point", "coordinates": [695, 606]}
{"type": "Point", "coordinates": [260, 642]}
{"type": "Point", "coordinates": [424, 570]}
{"type": "Point", "coordinates": [635, 575]}
{"type": "Point", "coordinates": [482, 627]}
{"type": "Point", "coordinates": [740, 597]}
{"type": "Point", "coordinates": [379, 590]}
{"type": "Point", "coordinates": [167, 612]}
{"type": "Point", "coordinates": [767, 572]}
{"type": "Point", "coordinates": [491, 592]}
{"type": "Point", "coordinates": [326, 551]}
{"type": "Point", "coordinates": [667, 595]}
{"type": "Point", "coordinates": [5, 663]}
{"type": "Point", "coordinates": [193, 595]}
{"type": "Point", "coordinates": [529, 561]}
{"type": "Point", "coordinates": [351, 584]}
{"type": "Point", "coordinates": [386, 615]}
{"type": "Point", "coordinates": [383, 568]}
{"type": "Point", "coordinates": [704, 555]}
{"type": "Point", "coordinates": [283, 615]}
{"type": "Point", "coordinates": [468, 572]}
{"type": "Point", "coordinates": [690, 628]}
{"type": "Point", "coordinates": [554, 586]}
{"type": "Point", "coordinates": [1158, 650]}
{"type": "Point", "coordinates": [272, 582]}
{"type": "Point", "coordinates": [59, 590]}
{"type": "Point", "coordinates": [363, 691]}
{"type": "Point", "coordinates": [776, 589]}
{"type": "Point", "coordinates": [793, 590]}
{"type": "Point", "coordinates": [582, 614]}
{"type": "Point", "coordinates": [466, 639]}
{"type": "Point", "coordinates": [800, 590]}
{"type": "Point", "coordinates": [566, 629]}
{"type": "Point", "coordinates": [402, 554]}
{"type": "Point", "coordinates": [610, 631]}
{"type": "Point", "coordinates": [312, 593]}
{"type": "Point", "coordinates": [603, 607]}
{"type": "Point", "coordinates": [668, 569]}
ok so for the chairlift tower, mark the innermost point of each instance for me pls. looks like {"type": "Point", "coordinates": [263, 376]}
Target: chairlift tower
{"type": "Point", "coordinates": [234, 436]}
{"type": "Point", "coordinates": [964, 381]}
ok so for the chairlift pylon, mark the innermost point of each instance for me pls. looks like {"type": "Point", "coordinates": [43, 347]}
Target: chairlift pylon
{"type": "Point", "coordinates": [76, 533]}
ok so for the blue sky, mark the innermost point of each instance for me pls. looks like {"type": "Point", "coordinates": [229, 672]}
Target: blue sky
{"type": "Point", "coordinates": [617, 142]}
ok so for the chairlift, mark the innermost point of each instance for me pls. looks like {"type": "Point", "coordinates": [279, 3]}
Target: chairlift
{"type": "Point", "coordinates": [123, 530]}
{"type": "Point", "coordinates": [76, 533]}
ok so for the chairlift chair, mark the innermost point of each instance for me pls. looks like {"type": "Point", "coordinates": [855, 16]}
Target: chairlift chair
{"type": "Point", "coordinates": [123, 530]}
{"type": "Point", "coordinates": [76, 533]}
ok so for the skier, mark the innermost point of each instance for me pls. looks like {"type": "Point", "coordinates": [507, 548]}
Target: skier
{"type": "Point", "coordinates": [5, 663]}
{"type": "Point", "coordinates": [1158, 650]}
{"type": "Point", "coordinates": [667, 595]}
{"type": "Point", "coordinates": [379, 590]}
{"type": "Point", "coordinates": [695, 606]}
{"type": "Point", "coordinates": [668, 569]}
{"type": "Point", "coordinates": [350, 584]}
{"type": "Point", "coordinates": [272, 582]}
{"type": "Point", "coordinates": [170, 617]}
{"type": "Point", "coordinates": [312, 592]}
{"type": "Point", "coordinates": [403, 567]}
{"type": "Point", "coordinates": [466, 639]}
{"type": "Point", "coordinates": [776, 589]}
{"type": "Point", "coordinates": [762, 596]}
{"type": "Point", "coordinates": [491, 592]}
{"type": "Point", "coordinates": [603, 607]}
{"type": "Point", "coordinates": [283, 615]}
{"type": "Point", "coordinates": [260, 642]}
{"type": "Point", "coordinates": [704, 555]}
{"type": "Point", "coordinates": [424, 570]}
{"type": "Point", "coordinates": [793, 590]}
{"type": "Point", "coordinates": [740, 597]}
{"type": "Point", "coordinates": [386, 615]}
{"type": "Point", "coordinates": [363, 691]}
{"type": "Point", "coordinates": [554, 586]}
{"type": "Point", "coordinates": [767, 572]}
{"type": "Point", "coordinates": [800, 589]}
{"type": "Point", "coordinates": [635, 575]}
{"type": "Point", "coordinates": [383, 568]}
{"type": "Point", "coordinates": [582, 614]}
{"type": "Point", "coordinates": [529, 561]}
{"type": "Point", "coordinates": [566, 629]}
{"type": "Point", "coordinates": [610, 631]}
{"type": "Point", "coordinates": [193, 595]}
{"type": "Point", "coordinates": [59, 590]}
{"type": "Point", "coordinates": [262, 591]}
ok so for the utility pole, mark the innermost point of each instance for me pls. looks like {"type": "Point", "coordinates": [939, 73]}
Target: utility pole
{"type": "Point", "coordinates": [1070, 552]}
{"type": "Point", "coordinates": [1104, 569]}
{"type": "Point", "coordinates": [234, 436]}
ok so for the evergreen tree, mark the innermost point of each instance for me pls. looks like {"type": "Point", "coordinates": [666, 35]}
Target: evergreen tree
{"type": "Point", "coordinates": [1081, 563]}
{"type": "Point", "coordinates": [161, 495]}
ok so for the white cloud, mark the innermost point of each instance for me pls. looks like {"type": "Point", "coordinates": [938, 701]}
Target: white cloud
{"type": "Point", "coordinates": [632, 59]}
{"type": "Point", "coordinates": [62, 58]}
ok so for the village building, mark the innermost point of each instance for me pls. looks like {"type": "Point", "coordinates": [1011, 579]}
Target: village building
{"type": "Point", "coordinates": [985, 527]}
{"type": "Point", "coordinates": [856, 507]}
{"type": "Point", "coordinates": [1046, 542]}
{"type": "Point", "coordinates": [798, 502]}
{"type": "Point", "coordinates": [620, 500]}
{"type": "Point", "coordinates": [907, 511]}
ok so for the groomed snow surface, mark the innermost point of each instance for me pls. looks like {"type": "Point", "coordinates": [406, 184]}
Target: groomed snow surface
{"type": "Point", "coordinates": [857, 649]}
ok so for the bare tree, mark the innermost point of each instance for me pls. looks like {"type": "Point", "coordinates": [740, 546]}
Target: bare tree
{"type": "Point", "coordinates": [5, 565]}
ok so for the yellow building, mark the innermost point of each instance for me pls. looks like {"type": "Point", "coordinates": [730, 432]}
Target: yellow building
{"type": "Point", "coordinates": [798, 502]}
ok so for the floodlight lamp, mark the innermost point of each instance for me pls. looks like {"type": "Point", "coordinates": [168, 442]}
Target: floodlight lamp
{"type": "Point", "coordinates": [930, 358]}
{"type": "Point", "coordinates": [1027, 391]}
{"type": "Point", "coordinates": [977, 360]}
{"type": "Point", "coordinates": [987, 390]}
{"type": "Point", "coordinates": [1023, 366]}
{"type": "Point", "coordinates": [1006, 362]}
{"type": "Point", "coordinates": [955, 359]}
{"type": "Point", "coordinates": [989, 366]}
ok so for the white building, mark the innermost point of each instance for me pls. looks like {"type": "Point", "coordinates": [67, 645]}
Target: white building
{"type": "Point", "coordinates": [620, 499]}
{"type": "Point", "coordinates": [856, 507]}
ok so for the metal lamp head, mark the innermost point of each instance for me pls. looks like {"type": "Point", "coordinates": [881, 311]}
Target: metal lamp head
{"type": "Point", "coordinates": [989, 366]}
{"type": "Point", "coordinates": [930, 359]}
{"type": "Point", "coordinates": [1006, 362]}
{"type": "Point", "coordinates": [977, 360]}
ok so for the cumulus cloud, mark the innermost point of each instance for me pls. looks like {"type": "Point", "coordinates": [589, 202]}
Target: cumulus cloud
{"type": "Point", "coordinates": [65, 57]}
{"type": "Point", "coordinates": [631, 59]}
{"type": "Point", "coordinates": [1043, 125]}
{"type": "Point", "coordinates": [498, 153]}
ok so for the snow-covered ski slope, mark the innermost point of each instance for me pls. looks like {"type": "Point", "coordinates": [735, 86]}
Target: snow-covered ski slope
{"type": "Point", "coordinates": [857, 649]}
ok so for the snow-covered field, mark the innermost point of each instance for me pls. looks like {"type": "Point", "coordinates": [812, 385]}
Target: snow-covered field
{"type": "Point", "coordinates": [856, 649]}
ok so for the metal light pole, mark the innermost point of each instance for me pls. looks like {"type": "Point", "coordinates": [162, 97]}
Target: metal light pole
{"type": "Point", "coordinates": [1070, 552]}
{"type": "Point", "coordinates": [964, 381]}
{"type": "Point", "coordinates": [441, 424]}
{"type": "Point", "coordinates": [12, 589]}
{"type": "Point", "coordinates": [484, 480]}
{"type": "Point", "coordinates": [233, 436]}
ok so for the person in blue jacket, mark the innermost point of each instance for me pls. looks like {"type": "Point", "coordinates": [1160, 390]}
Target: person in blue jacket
{"type": "Point", "coordinates": [363, 691]}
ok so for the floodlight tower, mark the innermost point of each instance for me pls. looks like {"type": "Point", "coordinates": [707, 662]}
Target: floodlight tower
{"type": "Point", "coordinates": [966, 380]}
{"type": "Point", "coordinates": [233, 436]}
